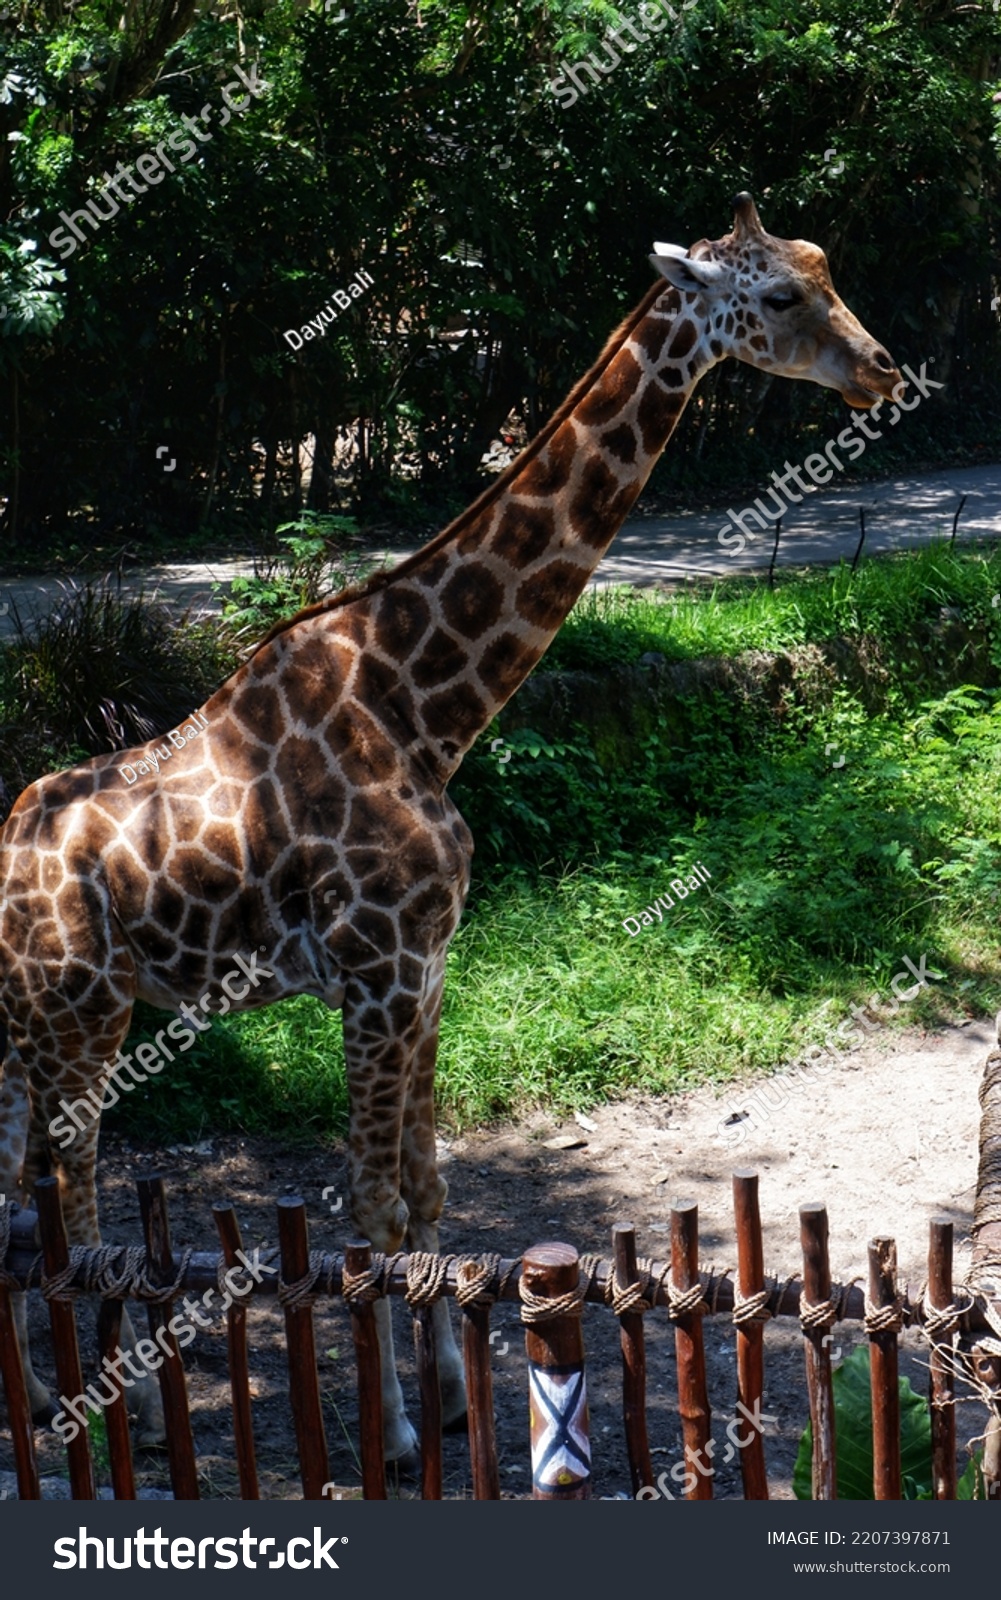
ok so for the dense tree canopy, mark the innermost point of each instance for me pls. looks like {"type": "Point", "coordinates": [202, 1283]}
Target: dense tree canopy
{"type": "Point", "coordinates": [249, 161]}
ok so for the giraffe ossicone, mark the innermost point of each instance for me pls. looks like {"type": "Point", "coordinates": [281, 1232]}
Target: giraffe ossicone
{"type": "Point", "coordinates": [322, 769]}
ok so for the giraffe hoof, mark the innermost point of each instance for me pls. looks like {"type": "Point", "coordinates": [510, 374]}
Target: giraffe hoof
{"type": "Point", "coordinates": [407, 1466]}
{"type": "Point", "coordinates": [151, 1439]}
{"type": "Point", "coordinates": [44, 1415]}
{"type": "Point", "coordinates": [456, 1424]}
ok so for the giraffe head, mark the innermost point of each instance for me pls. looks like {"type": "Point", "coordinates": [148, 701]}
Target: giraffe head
{"type": "Point", "coordinates": [771, 302]}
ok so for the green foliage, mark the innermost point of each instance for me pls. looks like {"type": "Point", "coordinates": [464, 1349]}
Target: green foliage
{"type": "Point", "coordinates": [258, 1072]}
{"type": "Point", "coordinates": [971, 1485]}
{"type": "Point", "coordinates": [97, 1428]}
{"type": "Point", "coordinates": [315, 562]}
{"type": "Point", "coordinates": [29, 304]}
{"type": "Point", "coordinates": [820, 882]}
{"type": "Point", "coordinates": [853, 1428]}
{"type": "Point", "coordinates": [506, 233]}
{"type": "Point", "coordinates": [530, 800]}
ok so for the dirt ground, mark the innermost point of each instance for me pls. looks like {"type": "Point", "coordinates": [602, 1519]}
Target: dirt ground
{"type": "Point", "coordinates": [889, 1141]}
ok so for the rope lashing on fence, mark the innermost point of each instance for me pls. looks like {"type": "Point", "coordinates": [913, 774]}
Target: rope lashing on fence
{"type": "Point", "coordinates": [685, 1302]}
{"type": "Point", "coordinates": [717, 1281]}
{"type": "Point", "coordinates": [940, 1323]}
{"type": "Point", "coordinates": [372, 1283]}
{"type": "Point", "coordinates": [641, 1294]}
{"type": "Point", "coordinates": [115, 1272]}
{"type": "Point", "coordinates": [884, 1319]}
{"type": "Point", "coordinates": [536, 1308]}
{"type": "Point", "coordinates": [821, 1315]}
{"type": "Point", "coordinates": [750, 1307]}
{"type": "Point", "coordinates": [486, 1283]}
{"type": "Point", "coordinates": [306, 1290]}
{"type": "Point", "coordinates": [427, 1275]}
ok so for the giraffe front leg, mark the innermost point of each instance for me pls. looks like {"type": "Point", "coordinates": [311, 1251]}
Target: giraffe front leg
{"type": "Point", "coordinates": [425, 1190]}
{"type": "Point", "coordinates": [384, 1225]}
{"type": "Point", "coordinates": [376, 1059]}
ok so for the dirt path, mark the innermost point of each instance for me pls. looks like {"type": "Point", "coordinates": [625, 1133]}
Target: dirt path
{"type": "Point", "coordinates": [890, 1142]}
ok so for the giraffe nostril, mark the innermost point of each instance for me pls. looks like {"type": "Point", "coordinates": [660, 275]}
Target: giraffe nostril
{"type": "Point", "coordinates": [885, 361]}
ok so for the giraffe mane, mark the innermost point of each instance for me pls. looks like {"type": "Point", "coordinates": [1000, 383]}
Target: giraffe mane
{"type": "Point", "coordinates": [381, 580]}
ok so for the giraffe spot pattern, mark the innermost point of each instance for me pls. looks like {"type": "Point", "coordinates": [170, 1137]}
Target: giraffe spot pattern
{"type": "Point", "coordinates": [621, 443]}
{"type": "Point", "coordinates": [546, 597]}
{"type": "Point", "coordinates": [402, 618]}
{"type": "Point", "coordinates": [521, 538]}
{"type": "Point", "coordinates": [656, 415]}
{"type": "Point", "coordinates": [472, 599]}
{"type": "Point", "coordinates": [684, 339]}
{"type": "Point", "coordinates": [443, 658]}
{"type": "Point", "coordinates": [502, 666]}
{"type": "Point", "coordinates": [550, 471]}
{"type": "Point", "coordinates": [618, 384]}
{"type": "Point", "coordinates": [599, 499]}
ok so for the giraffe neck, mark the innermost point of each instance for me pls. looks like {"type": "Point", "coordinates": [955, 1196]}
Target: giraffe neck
{"type": "Point", "coordinates": [460, 624]}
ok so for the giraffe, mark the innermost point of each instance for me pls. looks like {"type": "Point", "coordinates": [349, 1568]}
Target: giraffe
{"type": "Point", "coordinates": [321, 775]}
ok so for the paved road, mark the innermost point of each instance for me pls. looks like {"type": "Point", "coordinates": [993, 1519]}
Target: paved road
{"type": "Point", "coordinates": [900, 514]}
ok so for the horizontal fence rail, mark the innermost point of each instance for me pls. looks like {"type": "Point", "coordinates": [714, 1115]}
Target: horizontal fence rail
{"type": "Point", "coordinates": [199, 1270]}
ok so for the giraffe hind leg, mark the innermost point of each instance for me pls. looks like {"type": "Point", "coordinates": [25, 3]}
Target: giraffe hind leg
{"type": "Point", "coordinates": [14, 1121]}
{"type": "Point", "coordinates": [78, 1192]}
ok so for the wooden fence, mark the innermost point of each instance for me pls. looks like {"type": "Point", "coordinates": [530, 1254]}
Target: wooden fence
{"type": "Point", "coordinates": [550, 1282]}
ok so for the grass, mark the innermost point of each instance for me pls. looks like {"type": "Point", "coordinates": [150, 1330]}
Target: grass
{"type": "Point", "coordinates": [883, 599]}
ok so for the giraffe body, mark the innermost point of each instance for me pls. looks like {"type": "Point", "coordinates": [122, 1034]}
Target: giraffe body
{"type": "Point", "coordinates": [310, 821]}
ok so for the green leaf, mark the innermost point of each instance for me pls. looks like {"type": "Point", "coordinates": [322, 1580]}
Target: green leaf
{"type": "Point", "coordinates": [853, 1426]}
{"type": "Point", "coordinates": [970, 1485]}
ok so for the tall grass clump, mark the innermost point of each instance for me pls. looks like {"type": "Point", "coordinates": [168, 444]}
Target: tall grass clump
{"type": "Point", "coordinates": [105, 670]}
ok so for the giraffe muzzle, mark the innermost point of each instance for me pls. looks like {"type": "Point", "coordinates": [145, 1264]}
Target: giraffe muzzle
{"type": "Point", "coordinates": [876, 378]}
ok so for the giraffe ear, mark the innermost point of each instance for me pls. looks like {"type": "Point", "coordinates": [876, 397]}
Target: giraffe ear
{"type": "Point", "coordinates": [686, 272]}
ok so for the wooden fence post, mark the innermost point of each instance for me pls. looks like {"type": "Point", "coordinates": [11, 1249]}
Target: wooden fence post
{"type": "Point", "coordinates": [365, 1334]}
{"type": "Point", "coordinates": [882, 1323]}
{"type": "Point", "coordinates": [173, 1390]}
{"type": "Point", "coordinates": [239, 1367]}
{"type": "Point", "coordinates": [941, 1324]}
{"type": "Point", "coordinates": [633, 1348]}
{"type": "Point", "coordinates": [116, 1416]}
{"type": "Point", "coordinates": [693, 1397]}
{"type": "Point", "coordinates": [65, 1347]}
{"type": "Point", "coordinates": [477, 1352]}
{"type": "Point", "coordinates": [554, 1343]}
{"type": "Point", "coordinates": [750, 1327]}
{"type": "Point", "coordinates": [304, 1381]}
{"type": "Point", "coordinates": [817, 1319]}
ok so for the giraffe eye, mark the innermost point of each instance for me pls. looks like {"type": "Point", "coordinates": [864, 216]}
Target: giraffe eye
{"type": "Point", "coordinates": [783, 299]}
